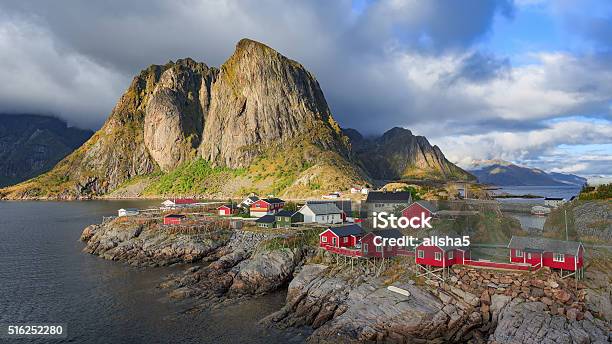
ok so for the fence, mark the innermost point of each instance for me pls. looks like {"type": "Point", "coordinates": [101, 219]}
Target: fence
{"type": "Point", "coordinates": [496, 265]}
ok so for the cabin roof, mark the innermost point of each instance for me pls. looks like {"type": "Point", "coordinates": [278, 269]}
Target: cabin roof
{"type": "Point", "coordinates": [389, 197]}
{"type": "Point", "coordinates": [286, 213]}
{"type": "Point", "coordinates": [266, 219]}
{"type": "Point", "coordinates": [431, 206]}
{"type": "Point", "coordinates": [347, 230]}
{"type": "Point", "coordinates": [544, 244]}
{"type": "Point", "coordinates": [323, 208]}
{"type": "Point", "coordinates": [273, 200]}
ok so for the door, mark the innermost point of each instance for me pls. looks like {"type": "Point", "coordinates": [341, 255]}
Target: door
{"type": "Point", "coordinates": [533, 258]}
{"type": "Point", "coordinates": [334, 242]}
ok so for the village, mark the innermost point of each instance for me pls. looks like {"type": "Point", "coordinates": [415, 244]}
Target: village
{"type": "Point", "coordinates": [345, 231]}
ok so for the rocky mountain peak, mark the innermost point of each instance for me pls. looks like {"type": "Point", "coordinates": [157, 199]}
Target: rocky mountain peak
{"type": "Point", "coordinates": [396, 132]}
{"type": "Point", "coordinates": [262, 98]}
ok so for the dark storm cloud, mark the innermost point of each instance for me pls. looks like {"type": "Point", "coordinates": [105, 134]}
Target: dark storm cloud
{"type": "Point", "coordinates": [330, 37]}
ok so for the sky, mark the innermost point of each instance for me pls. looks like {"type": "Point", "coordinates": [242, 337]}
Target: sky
{"type": "Point", "coordinates": [529, 81]}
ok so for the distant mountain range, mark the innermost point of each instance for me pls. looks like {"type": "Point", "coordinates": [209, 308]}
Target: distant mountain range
{"type": "Point", "coordinates": [33, 144]}
{"type": "Point", "coordinates": [504, 173]}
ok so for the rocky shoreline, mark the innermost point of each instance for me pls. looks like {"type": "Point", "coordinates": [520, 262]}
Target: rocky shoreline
{"type": "Point", "coordinates": [336, 304]}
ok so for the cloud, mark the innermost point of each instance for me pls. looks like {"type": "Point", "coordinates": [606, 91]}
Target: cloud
{"type": "Point", "coordinates": [424, 65]}
{"type": "Point", "coordinates": [554, 148]}
{"type": "Point", "coordinates": [39, 78]}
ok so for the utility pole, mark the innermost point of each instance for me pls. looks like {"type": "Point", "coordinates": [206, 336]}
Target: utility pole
{"type": "Point", "coordinates": [565, 212]}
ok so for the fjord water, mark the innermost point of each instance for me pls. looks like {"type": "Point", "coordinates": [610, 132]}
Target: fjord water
{"type": "Point", "coordinates": [44, 277]}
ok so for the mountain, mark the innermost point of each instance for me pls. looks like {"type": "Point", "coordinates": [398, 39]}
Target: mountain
{"type": "Point", "coordinates": [399, 154]}
{"type": "Point", "coordinates": [258, 123]}
{"type": "Point", "coordinates": [33, 144]}
{"type": "Point", "coordinates": [502, 173]}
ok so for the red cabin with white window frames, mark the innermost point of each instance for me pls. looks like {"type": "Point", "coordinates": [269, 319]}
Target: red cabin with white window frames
{"type": "Point", "coordinates": [226, 210]}
{"type": "Point", "coordinates": [341, 236]}
{"type": "Point", "coordinates": [440, 256]}
{"type": "Point", "coordinates": [369, 248]}
{"type": "Point", "coordinates": [555, 254]}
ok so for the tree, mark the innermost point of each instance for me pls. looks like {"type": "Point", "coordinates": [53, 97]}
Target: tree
{"type": "Point", "coordinates": [291, 206]}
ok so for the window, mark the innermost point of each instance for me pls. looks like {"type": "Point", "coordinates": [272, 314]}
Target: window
{"type": "Point", "coordinates": [345, 239]}
{"type": "Point", "coordinates": [438, 256]}
{"type": "Point", "coordinates": [528, 255]}
{"type": "Point", "coordinates": [421, 254]}
{"type": "Point", "coordinates": [518, 253]}
{"type": "Point", "coordinates": [451, 255]}
{"type": "Point", "coordinates": [558, 257]}
{"type": "Point", "coordinates": [365, 248]}
{"type": "Point", "coordinates": [378, 248]}
{"type": "Point", "coordinates": [324, 239]}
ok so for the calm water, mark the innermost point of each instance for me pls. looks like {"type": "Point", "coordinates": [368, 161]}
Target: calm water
{"type": "Point", "coordinates": [44, 277]}
{"type": "Point", "coordinates": [544, 191]}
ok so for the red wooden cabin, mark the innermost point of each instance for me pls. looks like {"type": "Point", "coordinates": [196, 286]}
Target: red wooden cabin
{"type": "Point", "coordinates": [555, 254]}
{"type": "Point", "coordinates": [184, 201]}
{"type": "Point", "coordinates": [266, 206]}
{"type": "Point", "coordinates": [418, 208]}
{"type": "Point", "coordinates": [369, 248]}
{"type": "Point", "coordinates": [173, 219]}
{"type": "Point", "coordinates": [341, 236]}
{"type": "Point", "coordinates": [226, 210]}
{"type": "Point", "coordinates": [441, 256]}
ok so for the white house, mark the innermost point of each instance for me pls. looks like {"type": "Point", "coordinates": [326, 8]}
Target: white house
{"type": "Point", "coordinates": [168, 204]}
{"type": "Point", "coordinates": [128, 212]}
{"type": "Point", "coordinates": [553, 201]}
{"type": "Point", "coordinates": [323, 213]}
{"type": "Point", "coordinates": [247, 202]}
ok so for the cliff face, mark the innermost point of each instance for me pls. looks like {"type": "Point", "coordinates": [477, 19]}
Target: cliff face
{"type": "Point", "coordinates": [399, 154]}
{"type": "Point", "coordinates": [176, 111]}
{"type": "Point", "coordinates": [254, 110]}
{"type": "Point", "coordinates": [261, 99]}
{"type": "Point", "coordinates": [33, 144]}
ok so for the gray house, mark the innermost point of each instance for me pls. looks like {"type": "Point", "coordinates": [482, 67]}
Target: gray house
{"type": "Point", "coordinates": [321, 213]}
{"type": "Point", "coordinates": [388, 201]}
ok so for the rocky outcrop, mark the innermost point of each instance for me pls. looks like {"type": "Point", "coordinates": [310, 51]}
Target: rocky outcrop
{"type": "Point", "coordinates": [530, 323]}
{"type": "Point", "coordinates": [399, 154]}
{"type": "Point", "coordinates": [235, 274]}
{"type": "Point", "coordinates": [147, 243]}
{"type": "Point", "coordinates": [341, 307]}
